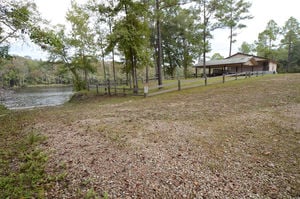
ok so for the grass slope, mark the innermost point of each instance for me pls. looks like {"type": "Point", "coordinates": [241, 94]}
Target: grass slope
{"type": "Point", "coordinates": [240, 139]}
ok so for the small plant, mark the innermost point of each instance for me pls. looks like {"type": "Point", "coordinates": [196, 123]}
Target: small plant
{"type": "Point", "coordinates": [91, 194]}
{"type": "Point", "coordinates": [105, 195]}
{"type": "Point", "coordinates": [27, 178]}
{"type": "Point", "coordinates": [22, 165]}
{"type": "Point", "coordinates": [34, 138]}
{"type": "Point", "coordinates": [3, 110]}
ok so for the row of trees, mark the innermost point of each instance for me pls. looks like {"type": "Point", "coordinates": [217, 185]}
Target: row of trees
{"type": "Point", "coordinates": [281, 44]}
{"type": "Point", "coordinates": [22, 71]}
{"type": "Point", "coordinates": [164, 34]}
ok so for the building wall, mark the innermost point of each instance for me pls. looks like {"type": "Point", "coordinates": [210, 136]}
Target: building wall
{"type": "Point", "coordinates": [273, 67]}
{"type": "Point", "coordinates": [244, 69]}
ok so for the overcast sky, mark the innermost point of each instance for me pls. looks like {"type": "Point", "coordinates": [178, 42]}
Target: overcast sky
{"type": "Point", "coordinates": [262, 10]}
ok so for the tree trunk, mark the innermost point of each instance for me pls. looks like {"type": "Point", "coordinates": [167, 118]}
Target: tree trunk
{"type": "Point", "coordinates": [103, 64]}
{"type": "Point", "coordinates": [289, 58]}
{"type": "Point", "coordinates": [113, 50]}
{"type": "Point", "coordinates": [204, 40]}
{"type": "Point", "coordinates": [113, 64]}
{"type": "Point", "coordinates": [185, 59]}
{"type": "Point", "coordinates": [147, 74]}
{"type": "Point", "coordinates": [86, 79]}
{"type": "Point", "coordinates": [159, 50]}
{"type": "Point", "coordinates": [230, 38]}
{"type": "Point", "coordinates": [77, 81]}
{"type": "Point", "coordinates": [135, 77]}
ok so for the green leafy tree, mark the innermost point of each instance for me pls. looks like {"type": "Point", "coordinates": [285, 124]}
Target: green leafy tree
{"type": "Point", "coordinates": [246, 48]}
{"type": "Point", "coordinates": [81, 41]}
{"type": "Point", "coordinates": [217, 56]}
{"type": "Point", "coordinates": [295, 58]}
{"type": "Point", "coordinates": [104, 14]}
{"type": "Point", "coordinates": [161, 7]}
{"type": "Point", "coordinates": [208, 21]}
{"type": "Point", "coordinates": [180, 39]}
{"type": "Point", "coordinates": [231, 14]}
{"type": "Point", "coordinates": [74, 50]}
{"type": "Point", "coordinates": [4, 53]}
{"type": "Point", "coordinates": [55, 41]}
{"type": "Point", "coordinates": [16, 17]}
{"type": "Point", "coordinates": [131, 36]}
{"type": "Point", "coordinates": [267, 40]}
{"type": "Point", "coordinates": [291, 35]}
{"type": "Point", "coordinates": [12, 76]}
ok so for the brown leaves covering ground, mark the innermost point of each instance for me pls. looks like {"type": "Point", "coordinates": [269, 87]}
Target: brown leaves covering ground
{"type": "Point", "coordinates": [235, 140]}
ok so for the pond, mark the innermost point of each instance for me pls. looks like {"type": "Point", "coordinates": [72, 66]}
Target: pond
{"type": "Point", "coordinates": [36, 97]}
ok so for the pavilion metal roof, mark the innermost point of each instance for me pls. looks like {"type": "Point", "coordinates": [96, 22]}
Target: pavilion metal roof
{"type": "Point", "coordinates": [228, 62]}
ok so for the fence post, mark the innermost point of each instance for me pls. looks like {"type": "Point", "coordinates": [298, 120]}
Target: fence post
{"type": "Point", "coordinates": [108, 87]}
{"type": "Point", "coordinates": [179, 85]}
{"type": "Point", "coordinates": [205, 80]}
{"type": "Point", "coordinates": [256, 73]}
{"type": "Point", "coordinates": [115, 86]}
{"type": "Point", "coordinates": [124, 91]}
{"type": "Point", "coordinates": [146, 89]}
{"type": "Point", "coordinates": [236, 75]}
{"type": "Point", "coordinates": [223, 78]}
{"type": "Point", "coordinates": [97, 87]}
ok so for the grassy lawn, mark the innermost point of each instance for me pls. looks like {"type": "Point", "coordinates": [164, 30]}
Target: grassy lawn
{"type": "Point", "coordinates": [22, 164]}
{"type": "Point", "coordinates": [240, 139]}
{"type": "Point", "coordinates": [168, 85]}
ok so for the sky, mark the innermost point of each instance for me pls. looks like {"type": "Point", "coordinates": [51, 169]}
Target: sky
{"type": "Point", "coordinates": [262, 11]}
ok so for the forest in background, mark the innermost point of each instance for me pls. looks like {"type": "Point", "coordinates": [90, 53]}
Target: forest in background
{"type": "Point", "coordinates": [153, 39]}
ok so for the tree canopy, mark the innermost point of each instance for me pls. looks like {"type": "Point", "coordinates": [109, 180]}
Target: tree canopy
{"type": "Point", "coordinates": [143, 34]}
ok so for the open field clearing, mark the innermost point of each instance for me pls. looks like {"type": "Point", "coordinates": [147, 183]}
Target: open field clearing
{"type": "Point", "coordinates": [240, 139]}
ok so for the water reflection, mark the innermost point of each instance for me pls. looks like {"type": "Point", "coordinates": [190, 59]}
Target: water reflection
{"type": "Point", "coordinates": [37, 97]}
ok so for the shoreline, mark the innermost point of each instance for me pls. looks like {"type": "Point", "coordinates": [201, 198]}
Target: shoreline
{"type": "Point", "coordinates": [5, 93]}
{"type": "Point", "coordinates": [34, 97]}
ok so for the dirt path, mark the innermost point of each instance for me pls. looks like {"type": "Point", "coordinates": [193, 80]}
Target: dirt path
{"type": "Point", "coordinates": [240, 140]}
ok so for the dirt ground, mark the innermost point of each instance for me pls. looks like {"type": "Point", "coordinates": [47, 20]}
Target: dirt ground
{"type": "Point", "coordinates": [235, 140]}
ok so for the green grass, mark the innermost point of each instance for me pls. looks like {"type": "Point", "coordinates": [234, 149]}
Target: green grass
{"type": "Point", "coordinates": [3, 110]}
{"type": "Point", "coordinates": [192, 82]}
{"type": "Point", "coordinates": [22, 163]}
{"type": "Point", "coordinates": [168, 85]}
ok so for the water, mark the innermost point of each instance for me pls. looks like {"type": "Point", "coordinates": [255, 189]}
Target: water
{"type": "Point", "coordinates": [36, 97]}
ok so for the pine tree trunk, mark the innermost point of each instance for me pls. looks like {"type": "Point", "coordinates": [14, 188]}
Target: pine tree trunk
{"type": "Point", "coordinates": [289, 57]}
{"type": "Point", "coordinates": [230, 45]}
{"type": "Point", "coordinates": [159, 50]}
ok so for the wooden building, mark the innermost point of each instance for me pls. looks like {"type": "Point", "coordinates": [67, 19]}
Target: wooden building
{"type": "Point", "coordinates": [238, 63]}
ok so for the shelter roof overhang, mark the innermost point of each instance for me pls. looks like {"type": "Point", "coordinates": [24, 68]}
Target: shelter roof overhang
{"type": "Point", "coordinates": [244, 61]}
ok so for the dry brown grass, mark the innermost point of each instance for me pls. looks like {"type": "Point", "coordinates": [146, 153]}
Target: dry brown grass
{"type": "Point", "coordinates": [235, 140]}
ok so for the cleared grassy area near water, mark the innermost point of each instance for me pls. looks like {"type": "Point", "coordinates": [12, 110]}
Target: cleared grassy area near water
{"type": "Point", "coordinates": [237, 140]}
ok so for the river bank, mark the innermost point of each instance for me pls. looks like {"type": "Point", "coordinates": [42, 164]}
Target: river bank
{"type": "Point", "coordinates": [35, 96]}
{"type": "Point", "coordinates": [5, 93]}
